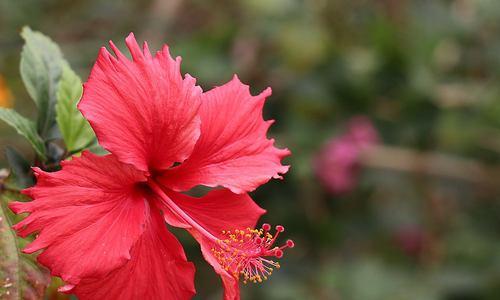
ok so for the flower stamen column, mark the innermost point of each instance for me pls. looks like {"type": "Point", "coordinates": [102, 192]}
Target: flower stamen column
{"type": "Point", "coordinates": [241, 251]}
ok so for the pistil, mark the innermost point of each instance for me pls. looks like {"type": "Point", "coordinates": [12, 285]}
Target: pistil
{"type": "Point", "coordinates": [244, 252]}
{"type": "Point", "coordinates": [179, 211]}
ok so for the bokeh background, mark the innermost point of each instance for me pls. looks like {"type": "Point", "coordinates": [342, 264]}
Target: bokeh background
{"type": "Point", "coordinates": [391, 109]}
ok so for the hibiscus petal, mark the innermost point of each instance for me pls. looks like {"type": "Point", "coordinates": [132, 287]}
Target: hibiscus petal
{"type": "Point", "coordinates": [229, 282]}
{"type": "Point", "coordinates": [142, 111]}
{"type": "Point", "coordinates": [157, 270]}
{"type": "Point", "coordinates": [87, 216]}
{"type": "Point", "coordinates": [233, 150]}
{"type": "Point", "coordinates": [217, 211]}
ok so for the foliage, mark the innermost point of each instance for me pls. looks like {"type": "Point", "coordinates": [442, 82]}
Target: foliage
{"type": "Point", "coordinates": [20, 276]}
{"type": "Point", "coordinates": [25, 128]}
{"type": "Point", "coordinates": [41, 70]}
{"type": "Point", "coordinates": [75, 130]}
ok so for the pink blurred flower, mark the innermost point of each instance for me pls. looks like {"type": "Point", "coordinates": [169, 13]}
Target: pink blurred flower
{"type": "Point", "coordinates": [337, 164]}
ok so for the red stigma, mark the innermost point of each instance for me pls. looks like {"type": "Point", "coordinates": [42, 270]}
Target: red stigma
{"type": "Point", "coordinates": [278, 253]}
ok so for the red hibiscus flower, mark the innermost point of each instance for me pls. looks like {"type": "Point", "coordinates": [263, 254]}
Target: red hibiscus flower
{"type": "Point", "coordinates": [101, 219]}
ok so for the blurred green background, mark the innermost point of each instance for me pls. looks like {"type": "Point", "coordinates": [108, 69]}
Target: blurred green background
{"type": "Point", "coordinates": [422, 219]}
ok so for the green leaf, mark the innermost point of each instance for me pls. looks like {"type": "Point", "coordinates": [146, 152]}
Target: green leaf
{"type": "Point", "coordinates": [20, 277]}
{"type": "Point", "coordinates": [41, 69]}
{"type": "Point", "coordinates": [97, 149]}
{"type": "Point", "coordinates": [75, 130]}
{"type": "Point", "coordinates": [25, 128]}
{"type": "Point", "coordinates": [9, 259]}
{"type": "Point", "coordinates": [20, 167]}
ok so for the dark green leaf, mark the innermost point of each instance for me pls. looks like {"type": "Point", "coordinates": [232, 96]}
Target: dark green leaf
{"type": "Point", "coordinates": [20, 277]}
{"type": "Point", "coordinates": [55, 153]}
{"type": "Point", "coordinates": [9, 260]}
{"type": "Point", "coordinates": [41, 69]}
{"type": "Point", "coordinates": [20, 167]}
{"type": "Point", "coordinates": [75, 130]}
{"type": "Point", "coordinates": [25, 128]}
